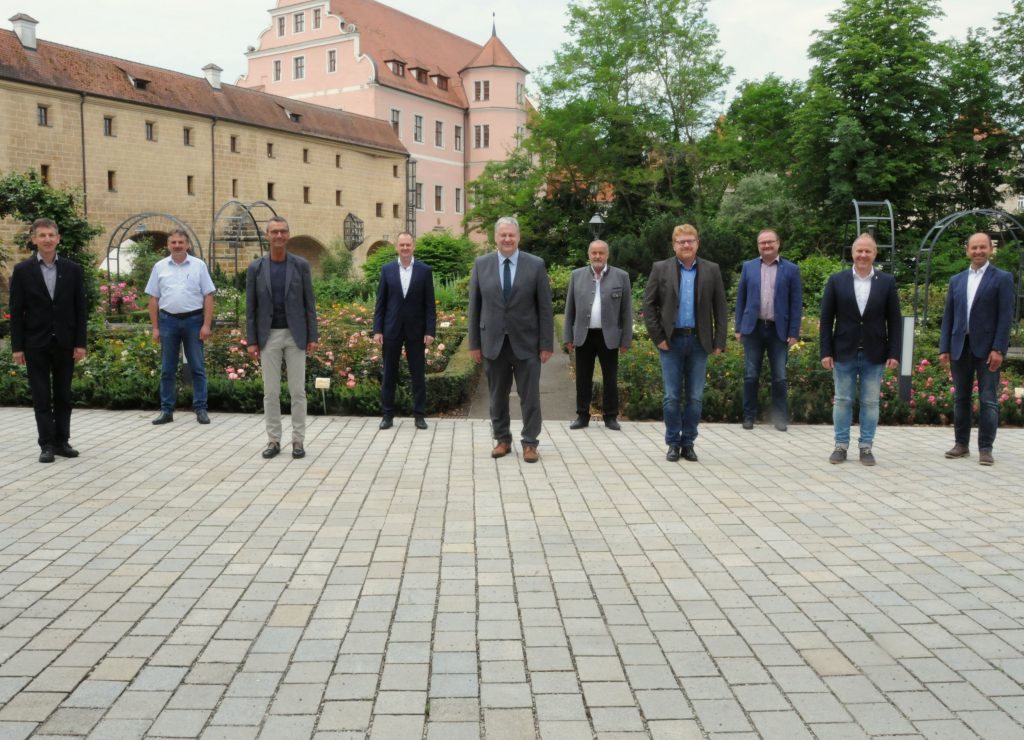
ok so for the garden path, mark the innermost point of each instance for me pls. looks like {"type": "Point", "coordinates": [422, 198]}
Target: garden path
{"type": "Point", "coordinates": [557, 393]}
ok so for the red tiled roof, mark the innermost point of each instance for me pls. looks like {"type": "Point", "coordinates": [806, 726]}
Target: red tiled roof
{"type": "Point", "coordinates": [494, 54]}
{"type": "Point", "coordinates": [384, 32]}
{"type": "Point", "coordinates": [76, 70]}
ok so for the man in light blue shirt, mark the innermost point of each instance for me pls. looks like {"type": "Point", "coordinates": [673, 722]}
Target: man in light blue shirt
{"type": "Point", "coordinates": [181, 312]}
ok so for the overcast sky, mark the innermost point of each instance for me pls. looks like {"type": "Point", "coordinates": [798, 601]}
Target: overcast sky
{"type": "Point", "coordinates": [758, 36]}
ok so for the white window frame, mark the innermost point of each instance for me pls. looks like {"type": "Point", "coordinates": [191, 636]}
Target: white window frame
{"type": "Point", "coordinates": [317, 18]}
{"type": "Point", "coordinates": [459, 138]}
{"type": "Point", "coordinates": [276, 73]}
{"type": "Point", "coordinates": [439, 134]}
{"type": "Point", "coordinates": [439, 198]}
{"type": "Point", "coordinates": [299, 22]}
{"type": "Point", "coordinates": [417, 128]}
{"type": "Point", "coordinates": [332, 61]}
{"type": "Point", "coordinates": [396, 121]}
{"type": "Point", "coordinates": [299, 67]}
{"type": "Point", "coordinates": [458, 200]}
{"type": "Point", "coordinates": [282, 26]}
{"type": "Point", "coordinates": [419, 196]}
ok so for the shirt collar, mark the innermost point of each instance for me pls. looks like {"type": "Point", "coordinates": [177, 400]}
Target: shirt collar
{"type": "Point", "coordinates": [43, 262]}
{"type": "Point", "coordinates": [684, 267]}
{"type": "Point", "coordinates": [514, 257]}
{"type": "Point", "coordinates": [856, 275]}
{"type": "Point", "coordinates": [980, 271]}
{"type": "Point", "coordinates": [773, 262]}
{"type": "Point", "coordinates": [412, 261]}
{"type": "Point", "coordinates": [604, 270]}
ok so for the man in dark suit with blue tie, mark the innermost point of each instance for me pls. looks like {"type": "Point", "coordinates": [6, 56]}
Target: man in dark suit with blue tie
{"type": "Point", "coordinates": [973, 342]}
{"type": "Point", "coordinates": [769, 306]}
{"type": "Point", "coordinates": [404, 315]}
{"type": "Point", "coordinates": [860, 334]}
{"type": "Point", "coordinates": [48, 334]}
{"type": "Point", "coordinates": [512, 331]}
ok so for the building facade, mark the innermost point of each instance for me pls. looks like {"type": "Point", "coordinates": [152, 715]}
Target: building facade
{"type": "Point", "coordinates": [454, 104]}
{"type": "Point", "coordinates": [142, 139]}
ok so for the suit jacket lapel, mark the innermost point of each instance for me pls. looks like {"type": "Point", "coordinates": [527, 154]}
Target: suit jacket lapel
{"type": "Point", "coordinates": [289, 273]}
{"type": "Point", "coordinates": [265, 269]}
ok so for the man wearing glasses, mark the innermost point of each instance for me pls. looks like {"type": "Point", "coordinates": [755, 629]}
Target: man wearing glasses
{"type": "Point", "coordinates": [769, 306]}
{"type": "Point", "coordinates": [685, 313]}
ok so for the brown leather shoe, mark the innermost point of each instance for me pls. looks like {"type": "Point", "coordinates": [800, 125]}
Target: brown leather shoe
{"type": "Point", "coordinates": [530, 454]}
{"type": "Point", "coordinates": [501, 449]}
{"type": "Point", "coordinates": [958, 450]}
{"type": "Point", "coordinates": [984, 457]}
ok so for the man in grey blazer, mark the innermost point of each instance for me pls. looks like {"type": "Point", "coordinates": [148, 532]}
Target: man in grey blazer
{"type": "Point", "coordinates": [598, 325]}
{"type": "Point", "coordinates": [280, 324]}
{"type": "Point", "coordinates": [685, 313]}
{"type": "Point", "coordinates": [511, 330]}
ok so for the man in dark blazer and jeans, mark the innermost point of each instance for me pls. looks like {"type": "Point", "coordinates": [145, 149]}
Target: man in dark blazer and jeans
{"type": "Point", "coordinates": [512, 331]}
{"type": "Point", "coordinates": [685, 313]}
{"type": "Point", "coordinates": [404, 315]}
{"type": "Point", "coordinates": [973, 342]}
{"type": "Point", "coordinates": [48, 334]}
{"type": "Point", "coordinates": [860, 333]}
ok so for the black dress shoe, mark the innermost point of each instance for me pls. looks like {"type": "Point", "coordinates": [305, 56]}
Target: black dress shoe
{"type": "Point", "coordinates": [46, 454]}
{"type": "Point", "coordinates": [165, 417]}
{"type": "Point", "coordinates": [580, 422]}
{"type": "Point", "coordinates": [610, 422]}
{"type": "Point", "coordinates": [272, 449]}
{"type": "Point", "coordinates": [202, 417]}
{"type": "Point", "coordinates": [672, 455]}
{"type": "Point", "coordinates": [781, 426]}
{"type": "Point", "coordinates": [688, 454]}
{"type": "Point", "coordinates": [298, 451]}
{"type": "Point", "coordinates": [65, 450]}
{"type": "Point", "coordinates": [748, 423]}
{"type": "Point", "coordinates": [386, 423]}
{"type": "Point", "coordinates": [421, 423]}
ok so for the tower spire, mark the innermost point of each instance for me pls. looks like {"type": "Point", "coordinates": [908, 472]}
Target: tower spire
{"type": "Point", "coordinates": [494, 24]}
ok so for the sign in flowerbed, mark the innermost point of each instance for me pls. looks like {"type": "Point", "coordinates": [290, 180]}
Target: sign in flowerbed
{"type": "Point", "coordinates": [122, 368]}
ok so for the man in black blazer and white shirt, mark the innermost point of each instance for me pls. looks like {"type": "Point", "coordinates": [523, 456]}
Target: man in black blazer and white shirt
{"type": "Point", "coordinates": [860, 334]}
{"type": "Point", "coordinates": [404, 315]}
{"type": "Point", "coordinates": [512, 331]}
{"type": "Point", "coordinates": [48, 331]}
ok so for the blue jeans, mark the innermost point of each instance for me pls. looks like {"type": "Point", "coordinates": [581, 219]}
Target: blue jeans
{"type": "Point", "coordinates": [964, 371]}
{"type": "Point", "coordinates": [845, 376]}
{"type": "Point", "coordinates": [685, 363]}
{"type": "Point", "coordinates": [763, 340]}
{"type": "Point", "coordinates": [174, 333]}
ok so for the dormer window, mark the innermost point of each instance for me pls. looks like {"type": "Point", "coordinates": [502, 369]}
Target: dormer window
{"type": "Point", "coordinates": [293, 117]}
{"type": "Point", "coordinates": [420, 74]}
{"type": "Point", "coordinates": [138, 83]}
{"type": "Point", "coordinates": [441, 81]}
{"type": "Point", "coordinates": [397, 67]}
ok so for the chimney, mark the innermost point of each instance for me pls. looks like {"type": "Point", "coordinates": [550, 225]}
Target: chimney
{"type": "Point", "coordinates": [25, 28]}
{"type": "Point", "coordinates": [212, 72]}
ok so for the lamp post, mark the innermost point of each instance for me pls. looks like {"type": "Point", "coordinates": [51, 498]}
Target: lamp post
{"type": "Point", "coordinates": [597, 225]}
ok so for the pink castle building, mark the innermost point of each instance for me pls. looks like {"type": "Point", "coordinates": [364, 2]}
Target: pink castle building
{"type": "Point", "coordinates": [454, 104]}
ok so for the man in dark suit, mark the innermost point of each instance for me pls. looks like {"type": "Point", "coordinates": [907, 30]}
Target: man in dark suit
{"type": "Point", "coordinates": [512, 331]}
{"type": "Point", "coordinates": [769, 306]}
{"type": "Point", "coordinates": [404, 315]}
{"type": "Point", "coordinates": [280, 324]}
{"type": "Point", "coordinates": [860, 333]}
{"type": "Point", "coordinates": [973, 342]}
{"type": "Point", "coordinates": [685, 313]}
{"type": "Point", "coordinates": [48, 334]}
{"type": "Point", "coordinates": [598, 325]}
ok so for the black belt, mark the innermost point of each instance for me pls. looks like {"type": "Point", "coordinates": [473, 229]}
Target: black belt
{"type": "Point", "coordinates": [186, 315]}
{"type": "Point", "coordinates": [766, 322]}
{"type": "Point", "coordinates": [688, 331]}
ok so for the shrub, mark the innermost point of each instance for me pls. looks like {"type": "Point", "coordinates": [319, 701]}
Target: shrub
{"type": "Point", "coordinates": [449, 256]}
{"type": "Point", "coordinates": [375, 263]}
{"type": "Point", "coordinates": [814, 273]}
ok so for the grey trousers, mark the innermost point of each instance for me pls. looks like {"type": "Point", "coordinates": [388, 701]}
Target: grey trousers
{"type": "Point", "coordinates": [500, 372]}
{"type": "Point", "coordinates": [281, 346]}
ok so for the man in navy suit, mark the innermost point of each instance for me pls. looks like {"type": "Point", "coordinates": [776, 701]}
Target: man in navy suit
{"type": "Point", "coordinates": [860, 335]}
{"type": "Point", "coordinates": [512, 331]}
{"type": "Point", "coordinates": [974, 339]}
{"type": "Point", "coordinates": [404, 315]}
{"type": "Point", "coordinates": [48, 333]}
{"type": "Point", "coordinates": [769, 306]}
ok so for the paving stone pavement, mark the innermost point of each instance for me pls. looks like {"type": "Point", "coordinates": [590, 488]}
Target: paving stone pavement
{"type": "Point", "coordinates": [170, 583]}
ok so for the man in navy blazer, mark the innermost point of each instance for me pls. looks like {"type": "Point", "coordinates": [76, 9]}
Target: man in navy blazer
{"type": "Point", "coordinates": [860, 334]}
{"type": "Point", "coordinates": [280, 325]}
{"type": "Point", "coordinates": [769, 306]}
{"type": "Point", "coordinates": [48, 334]}
{"type": "Point", "coordinates": [974, 339]}
{"type": "Point", "coordinates": [404, 315]}
{"type": "Point", "coordinates": [512, 332]}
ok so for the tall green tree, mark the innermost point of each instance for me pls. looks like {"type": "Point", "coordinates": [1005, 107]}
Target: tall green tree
{"type": "Point", "coordinates": [627, 99]}
{"type": "Point", "coordinates": [872, 112]}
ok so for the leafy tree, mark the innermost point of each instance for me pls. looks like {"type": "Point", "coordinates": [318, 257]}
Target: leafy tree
{"type": "Point", "coordinates": [866, 125]}
{"type": "Point", "coordinates": [764, 201]}
{"type": "Point", "coordinates": [336, 261]}
{"type": "Point", "coordinates": [26, 197]}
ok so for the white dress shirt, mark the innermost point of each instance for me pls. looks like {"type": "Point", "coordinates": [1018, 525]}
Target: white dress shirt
{"type": "Point", "coordinates": [595, 308]}
{"type": "Point", "coordinates": [405, 275]}
{"type": "Point", "coordinates": [862, 289]}
{"type": "Point", "coordinates": [973, 281]}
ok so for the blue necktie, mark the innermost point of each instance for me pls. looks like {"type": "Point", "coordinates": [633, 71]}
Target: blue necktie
{"type": "Point", "coordinates": [506, 281]}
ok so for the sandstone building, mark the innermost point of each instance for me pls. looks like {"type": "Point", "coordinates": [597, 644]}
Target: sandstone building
{"type": "Point", "coordinates": [137, 139]}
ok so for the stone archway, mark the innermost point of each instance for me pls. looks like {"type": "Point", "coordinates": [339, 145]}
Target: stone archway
{"type": "Point", "coordinates": [308, 247]}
